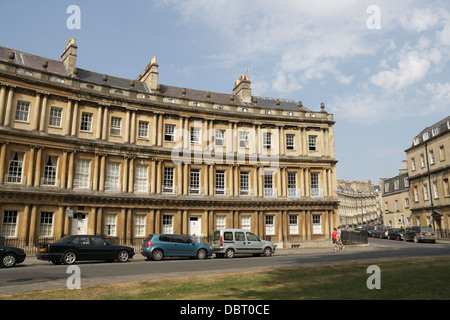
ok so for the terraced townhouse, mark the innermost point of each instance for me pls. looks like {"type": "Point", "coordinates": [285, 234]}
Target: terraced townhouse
{"type": "Point", "coordinates": [89, 153]}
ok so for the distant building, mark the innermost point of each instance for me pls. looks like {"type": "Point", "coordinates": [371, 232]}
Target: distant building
{"type": "Point", "coordinates": [429, 174]}
{"type": "Point", "coordinates": [358, 203]}
{"type": "Point", "coordinates": [395, 203]}
{"type": "Point", "coordinates": [83, 152]}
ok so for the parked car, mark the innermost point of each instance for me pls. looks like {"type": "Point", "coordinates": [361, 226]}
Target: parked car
{"type": "Point", "coordinates": [229, 242]}
{"type": "Point", "coordinates": [420, 234]}
{"type": "Point", "coordinates": [74, 248]}
{"type": "Point", "coordinates": [381, 233]}
{"type": "Point", "coordinates": [10, 256]}
{"type": "Point", "coordinates": [396, 234]}
{"type": "Point", "coordinates": [158, 246]}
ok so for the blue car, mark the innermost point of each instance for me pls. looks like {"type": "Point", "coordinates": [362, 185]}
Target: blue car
{"type": "Point", "coordinates": [157, 246]}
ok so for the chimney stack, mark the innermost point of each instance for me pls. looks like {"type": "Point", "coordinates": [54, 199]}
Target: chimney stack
{"type": "Point", "coordinates": [242, 89]}
{"type": "Point", "coordinates": [150, 75]}
{"type": "Point", "coordinates": [69, 57]}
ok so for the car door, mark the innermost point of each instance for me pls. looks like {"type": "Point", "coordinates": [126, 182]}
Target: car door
{"type": "Point", "coordinates": [81, 246]}
{"type": "Point", "coordinates": [101, 250]}
{"type": "Point", "coordinates": [184, 246]}
{"type": "Point", "coordinates": [254, 244]}
{"type": "Point", "coordinates": [168, 244]}
{"type": "Point", "coordinates": [240, 242]}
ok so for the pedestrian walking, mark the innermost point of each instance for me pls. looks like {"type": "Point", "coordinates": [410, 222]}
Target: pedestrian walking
{"type": "Point", "coordinates": [339, 237]}
{"type": "Point", "coordinates": [334, 239]}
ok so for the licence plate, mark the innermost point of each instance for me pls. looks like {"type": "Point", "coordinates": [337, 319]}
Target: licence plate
{"type": "Point", "coordinates": [428, 234]}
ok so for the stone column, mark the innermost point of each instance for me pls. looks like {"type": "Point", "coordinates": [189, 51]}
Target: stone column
{"type": "Point", "coordinates": [9, 106]}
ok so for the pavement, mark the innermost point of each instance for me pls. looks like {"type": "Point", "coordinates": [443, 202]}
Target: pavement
{"type": "Point", "coordinates": [32, 260]}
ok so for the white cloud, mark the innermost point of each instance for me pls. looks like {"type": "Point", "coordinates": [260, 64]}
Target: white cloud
{"type": "Point", "coordinates": [411, 69]}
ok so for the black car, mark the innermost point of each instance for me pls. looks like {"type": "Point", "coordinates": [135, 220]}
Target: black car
{"type": "Point", "coordinates": [420, 234]}
{"type": "Point", "coordinates": [381, 233]}
{"type": "Point", "coordinates": [395, 234]}
{"type": "Point", "coordinates": [69, 249]}
{"type": "Point", "coordinates": [9, 256]}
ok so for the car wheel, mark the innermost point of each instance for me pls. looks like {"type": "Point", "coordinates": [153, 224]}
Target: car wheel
{"type": "Point", "coordinates": [157, 255]}
{"type": "Point", "coordinates": [8, 260]}
{"type": "Point", "coordinates": [267, 252]}
{"type": "Point", "coordinates": [416, 239]}
{"type": "Point", "coordinates": [69, 258]}
{"type": "Point", "coordinates": [201, 254]}
{"type": "Point", "coordinates": [123, 256]}
{"type": "Point", "coordinates": [229, 253]}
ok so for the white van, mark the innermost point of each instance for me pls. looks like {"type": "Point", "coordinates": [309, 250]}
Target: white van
{"type": "Point", "coordinates": [229, 242]}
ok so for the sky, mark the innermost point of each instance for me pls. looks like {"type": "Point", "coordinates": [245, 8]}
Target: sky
{"type": "Point", "coordinates": [380, 67]}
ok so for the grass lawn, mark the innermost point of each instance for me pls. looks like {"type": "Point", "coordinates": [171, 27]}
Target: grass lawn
{"type": "Point", "coordinates": [411, 279]}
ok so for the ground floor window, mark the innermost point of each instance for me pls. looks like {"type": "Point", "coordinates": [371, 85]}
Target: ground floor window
{"type": "Point", "coordinates": [139, 225]}
{"type": "Point", "coordinates": [317, 223]}
{"type": "Point", "coordinates": [110, 225]}
{"type": "Point", "coordinates": [9, 225]}
{"type": "Point", "coordinates": [46, 224]}
{"type": "Point", "coordinates": [293, 224]}
{"type": "Point", "coordinates": [220, 222]}
{"type": "Point", "coordinates": [167, 226]}
{"type": "Point", "coordinates": [270, 225]}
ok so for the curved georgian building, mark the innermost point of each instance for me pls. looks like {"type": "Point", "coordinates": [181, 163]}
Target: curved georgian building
{"type": "Point", "coordinates": [83, 152]}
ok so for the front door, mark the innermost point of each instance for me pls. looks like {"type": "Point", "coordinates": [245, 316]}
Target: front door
{"type": "Point", "coordinates": [195, 228]}
{"type": "Point", "coordinates": [79, 224]}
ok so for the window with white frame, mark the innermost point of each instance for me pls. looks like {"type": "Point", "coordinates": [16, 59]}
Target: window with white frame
{"type": "Point", "coordinates": [406, 202]}
{"type": "Point", "coordinates": [110, 225]}
{"type": "Point", "coordinates": [244, 184]}
{"type": "Point", "coordinates": [112, 182]}
{"type": "Point", "coordinates": [312, 142]}
{"type": "Point", "coordinates": [268, 184]}
{"type": "Point", "coordinates": [292, 184]}
{"type": "Point", "coordinates": [435, 131]}
{"type": "Point", "coordinates": [195, 135]}
{"type": "Point", "coordinates": [290, 141]}
{"type": "Point", "coordinates": [167, 226]}
{"type": "Point", "coordinates": [139, 225]}
{"type": "Point", "coordinates": [86, 122]}
{"type": "Point", "coordinates": [245, 223]}
{"type": "Point", "coordinates": [431, 157]}
{"type": "Point", "coordinates": [169, 132]}
{"type": "Point", "coordinates": [416, 194]}
{"type": "Point", "coordinates": [317, 223]}
{"type": "Point", "coordinates": [425, 192]}
{"type": "Point", "coordinates": [49, 178]}
{"type": "Point", "coordinates": [168, 180]}
{"type": "Point", "coordinates": [220, 222]}
{"type": "Point", "coordinates": [406, 181]}
{"type": "Point", "coordinates": [293, 224]}
{"type": "Point", "coordinates": [270, 225]}
{"type": "Point", "coordinates": [55, 117]}
{"type": "Point", "coordinates": [22, 111]}
{"type": "Point", "coordinates": [143, 129]}
{"type": "Point", "coordinates": [194, 186]}
{"type": "Point", "coordinates": [422, 160]}
{"type": "Point", "coordinates": [435, 189]}
{"type": "Point", "coordinates": [220, 182]}
{"type": "Point", "coordinates": [82, 172]}
{"type": "Point", "coordinates": [9, 225]}
{"type": "Point", "coordinates": [141, 178]}
{"type": "Point", "coordinates": [315, 192]}
{"type": "Point", "coordinates": [413, 164]}
{"type": "Point", "coordinates": [15, 167]}
{"type": "Point", "coordinates": [46, 224]}
{"type": "Point", "coordinates": [243, 139]}
{"type": "Point", "coordinates": [267, 140]}
{"type": "Point", "coordinates": [396, 184]}
{"type": "Point", "coordinates": [116, 125]}
{"type": "Point", "coordinates": [219, 139]}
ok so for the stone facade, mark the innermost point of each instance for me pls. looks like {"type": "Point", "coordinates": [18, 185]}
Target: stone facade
{"type": "Point", "coordinates": [428, 160]}
{"type": "Point", "coordinates": [83, 152]}
{"type": "Point", "coordinates": [358, 203]}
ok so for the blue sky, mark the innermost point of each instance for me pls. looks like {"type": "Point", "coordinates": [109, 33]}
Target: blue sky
{"type": "Point", "coordinates": [383, 71]}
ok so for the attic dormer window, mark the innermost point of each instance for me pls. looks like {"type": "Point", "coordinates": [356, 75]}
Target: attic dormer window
{"type": "Point", "coordinates": [171, 100]}
{"type": "Point", "coordinates": [197, 104]}
{"type": "Point", "coordinates": [118, 92]}
{"type": "Point", "coordinates": [425, 136]}
{"type": "Point", "coordinates": [27, 73]}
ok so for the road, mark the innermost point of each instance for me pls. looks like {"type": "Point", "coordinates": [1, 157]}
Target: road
{"type": "Point", "coordinates": [33, 275]}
